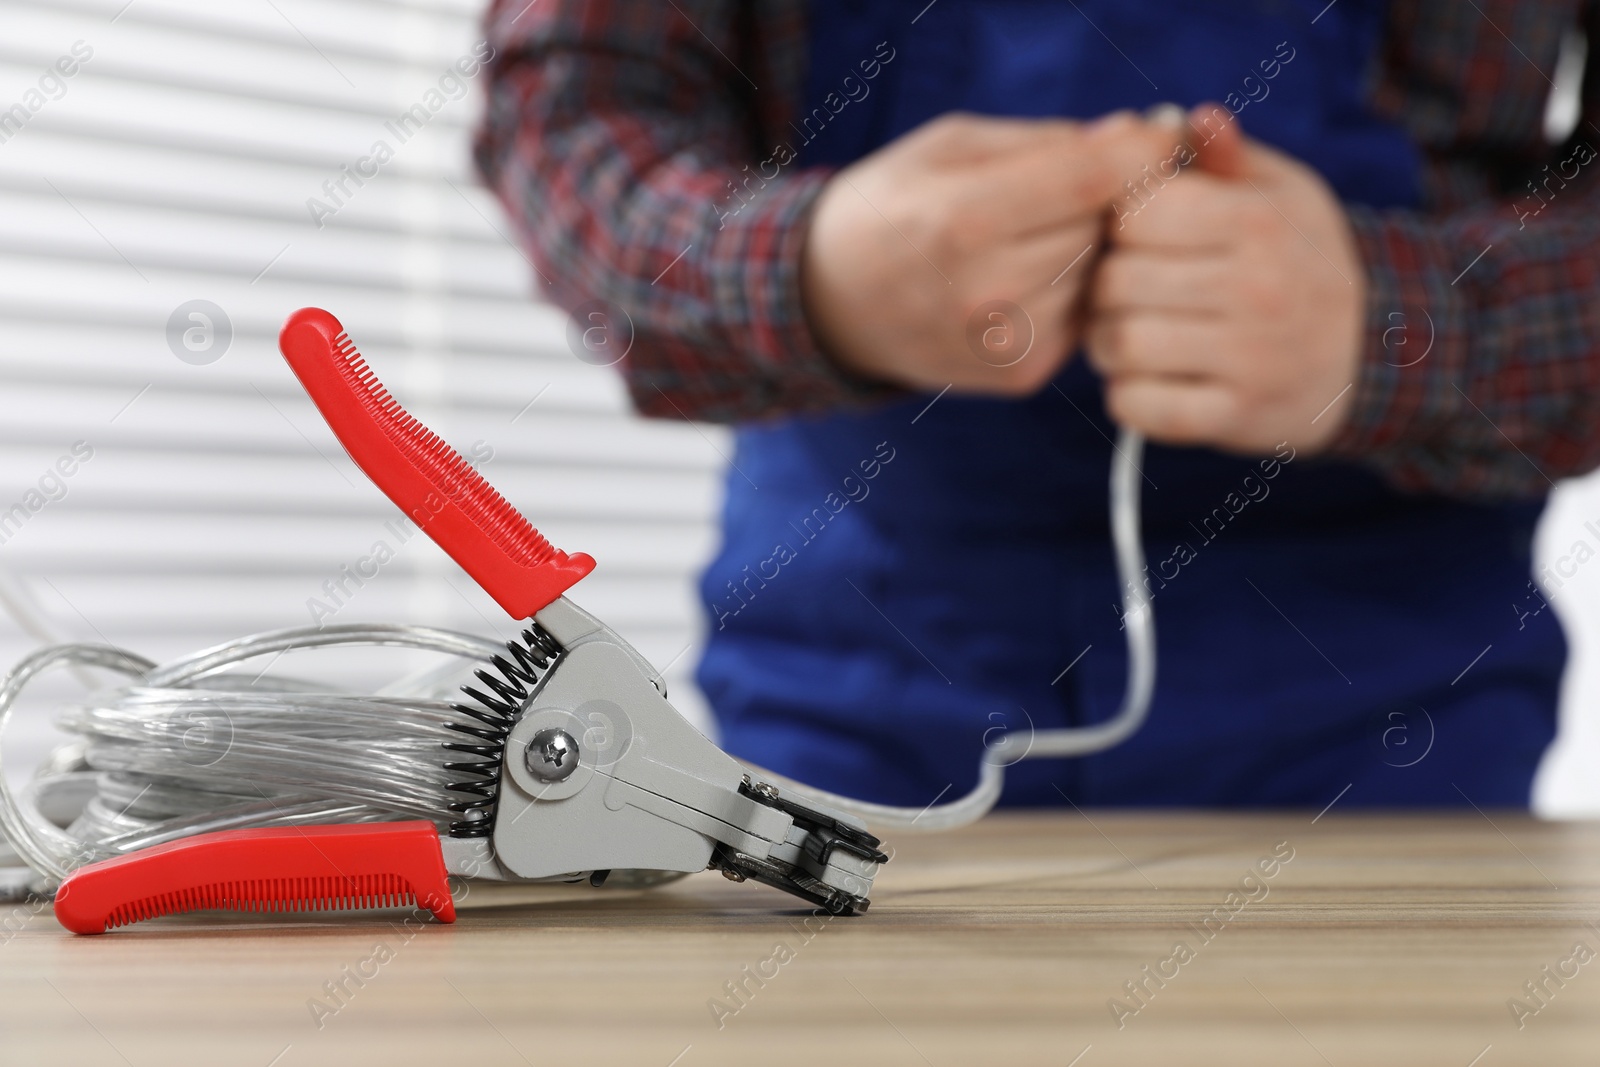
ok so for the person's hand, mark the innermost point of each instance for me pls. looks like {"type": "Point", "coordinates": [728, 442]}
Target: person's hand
{"type": "Point", "coordinates": [919, 255]}
{"type": "Point", "coordinates": [1229, 309]}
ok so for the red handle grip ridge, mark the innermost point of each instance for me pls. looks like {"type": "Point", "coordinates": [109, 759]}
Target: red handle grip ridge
{"type": "Point", "coordinates": [422, 474]}
{"type": "Point", "coordinates": [295, 868]}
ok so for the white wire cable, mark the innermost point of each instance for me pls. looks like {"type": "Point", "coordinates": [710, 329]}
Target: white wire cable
{"type": "Point", "coordinates": [31, 617]}
{"type": "Point", "coordinates": [1139, 630]}
{"type": "Point", "coordinates": [46, 847]}
{"type": "Point", "coordinates": [282, 752]}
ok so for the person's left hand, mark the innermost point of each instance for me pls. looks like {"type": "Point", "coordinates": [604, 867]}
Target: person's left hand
{"type": "Point", "coordinates": [1229, 310]}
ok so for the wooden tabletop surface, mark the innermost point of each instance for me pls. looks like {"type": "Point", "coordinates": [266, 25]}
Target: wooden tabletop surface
{"type": "Point", "coordinates": [1247, 939]}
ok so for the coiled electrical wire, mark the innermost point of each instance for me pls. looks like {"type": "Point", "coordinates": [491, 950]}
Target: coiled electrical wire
{"type": "Point", "coordinates": [195, 745]}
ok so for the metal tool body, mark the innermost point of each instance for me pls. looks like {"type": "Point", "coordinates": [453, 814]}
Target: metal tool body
{"type": "Point", "coordinates": [650, 792]}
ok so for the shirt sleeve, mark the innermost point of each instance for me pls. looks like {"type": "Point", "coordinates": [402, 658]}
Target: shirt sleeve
{"type": "Point", "coordinates": [623, 137]}
{"type": "Point", "coordinates": [1480, 375]}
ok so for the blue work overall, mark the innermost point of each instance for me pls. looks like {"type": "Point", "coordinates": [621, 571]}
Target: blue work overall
{"type": "Point", "coordinates": [896, 585]}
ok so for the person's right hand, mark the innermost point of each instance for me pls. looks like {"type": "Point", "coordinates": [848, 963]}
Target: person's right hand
{"type": "Point", "coordinates": [908, 245]}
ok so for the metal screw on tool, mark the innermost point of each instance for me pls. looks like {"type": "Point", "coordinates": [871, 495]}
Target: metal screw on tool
{"type": "Point", "coordinates": [765, 791]}
{"type": "Point", "coordinates": [552, 755]}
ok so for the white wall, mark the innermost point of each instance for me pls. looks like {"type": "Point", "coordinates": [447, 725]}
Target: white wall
{"type": "Point", "coordinates": [1568, 783]}
{"type": "Point", "coordinates": [176, 167]}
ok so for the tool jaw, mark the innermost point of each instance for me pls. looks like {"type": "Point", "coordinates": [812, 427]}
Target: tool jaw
{"type": "Point", "coordinates": [650, 792]}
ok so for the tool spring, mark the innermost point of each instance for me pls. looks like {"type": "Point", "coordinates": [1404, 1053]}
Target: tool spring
{"type": "Point", "coordinates": [489, 718]}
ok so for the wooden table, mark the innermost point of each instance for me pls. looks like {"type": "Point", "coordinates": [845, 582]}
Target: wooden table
{"type": "Point", "coordinates": [1382, 940]}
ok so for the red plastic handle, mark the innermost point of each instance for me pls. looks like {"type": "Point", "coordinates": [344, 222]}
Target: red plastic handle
{"type": "Point", "coordinates": [296, 868]}
{"type": "Point", "coordinates": [427, 478]}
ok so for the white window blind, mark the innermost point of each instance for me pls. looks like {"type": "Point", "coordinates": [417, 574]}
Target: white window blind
{"type": "Point", "coordinates": [175, 165]}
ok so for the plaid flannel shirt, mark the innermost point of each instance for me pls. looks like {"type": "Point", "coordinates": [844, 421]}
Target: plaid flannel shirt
{"type": "Point", "coordinates": [615, 130]}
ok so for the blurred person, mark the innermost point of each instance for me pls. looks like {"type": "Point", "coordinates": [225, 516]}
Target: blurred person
{"type": "Point", "coordinates": [1361, 330]}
